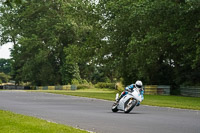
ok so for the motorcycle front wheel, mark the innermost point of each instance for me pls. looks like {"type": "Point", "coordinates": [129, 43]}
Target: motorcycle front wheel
{"type": "Point", "coordinates": [129, 105]}
{"type": "Point", "coordinates": [114, 107]}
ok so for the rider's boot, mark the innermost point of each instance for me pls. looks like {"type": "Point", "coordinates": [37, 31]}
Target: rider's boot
{"type": "Point", "coordinates": [123, 93]}
{"type": "Point", "coordinates": [138, 104]}
{"type": "Point", "coordinates": [118, 99]}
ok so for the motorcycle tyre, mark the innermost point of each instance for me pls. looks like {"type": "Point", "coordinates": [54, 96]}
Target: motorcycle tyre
{"type": "Point", "coordinates": [114, 107]}
{"type": "Point", "coordinates": [132, 106]}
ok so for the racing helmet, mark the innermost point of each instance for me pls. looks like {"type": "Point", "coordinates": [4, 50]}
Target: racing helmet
{"type": "Point", "coordinates": [138, 84]}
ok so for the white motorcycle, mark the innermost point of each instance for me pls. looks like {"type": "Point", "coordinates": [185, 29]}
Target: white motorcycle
{"type": "Point", "coordinates": [128, 102]}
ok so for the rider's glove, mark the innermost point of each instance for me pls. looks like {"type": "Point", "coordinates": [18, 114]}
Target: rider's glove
{"type": "Point", "coordinates": [127, 89]}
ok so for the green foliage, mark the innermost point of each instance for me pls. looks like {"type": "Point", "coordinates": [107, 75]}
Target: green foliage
{"type": "Point", "coordinates": [4, 78]}
{"type": "Point", "coordinates": [5, 66]}
{"type": "Point", "coordinates": [1, 81]}
{"type": "Point", "coordinates": [84, 52]}
{"type": "Point", "coordinates": [13, 2]}
{"type": "Point", "coordinates": [105, 85]}
{"type": "Point", "coordinates": [57, 41]}
{"type": "Point", "coordinates": [75, 82]}
{"type": "Point", "coordinates": [85, 82]}
{"type": "Point", "coordinates": [40, 33]}
{"type": "Point", "coordinates": [84, 86]}
{"type": "Point", "coordinates": [154, 41]}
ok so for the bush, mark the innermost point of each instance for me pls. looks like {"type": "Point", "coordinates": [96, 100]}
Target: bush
{"type": "Point", "coordinates": [85, 82]}
{"type": "Point", "coordinates": [4, 78]}
{"type": "Point", "coordinates": [119, 86]}
{"type": "Point", "coordinates": [75, 82]}
{"type": "Point", "coordinates": [33, 87]}
{"type": "Point", "coordinates": [107, 80]}
{"type": "Point", "coordinates": [84, 86]}
{"type": "Point", "coordinates": [105, 85]}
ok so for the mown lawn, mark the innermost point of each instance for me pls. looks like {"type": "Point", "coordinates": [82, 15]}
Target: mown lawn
{"type": "Point", "coordinates": [16, 123]}
{"type": "Point", "coordinates": [105, 94]}
{"type": "Point", "coordinates": [154, 100]}
{"type": "Point", "coordinates": [173, 101]}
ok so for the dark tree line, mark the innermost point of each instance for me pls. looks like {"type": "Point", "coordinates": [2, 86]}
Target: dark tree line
{"type": "Point", "coordinates": [156, 41]}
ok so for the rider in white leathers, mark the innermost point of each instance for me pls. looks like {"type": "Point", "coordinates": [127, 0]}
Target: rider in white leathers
{"type": "Point", "coordinates": [138, 84]}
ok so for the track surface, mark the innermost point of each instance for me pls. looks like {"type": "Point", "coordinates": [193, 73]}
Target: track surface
{"type": "Point", "coordinates": [96, 115]}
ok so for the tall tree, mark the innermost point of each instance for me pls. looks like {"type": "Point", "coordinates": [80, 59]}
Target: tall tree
{"type": "Point", "coordinates": [56, 41]}
{"type": "Point", "coordinates": [42, 30]}
{"type": "Point", "coordinates": [152, 40]}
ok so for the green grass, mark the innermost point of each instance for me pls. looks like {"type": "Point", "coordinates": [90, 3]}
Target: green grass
{"type": "Point", "coordinates": [105, 94]}
{"type": "Point", "coordinates": [173, 101]}
{"type": "Point", "coordinates": [153, 100]}
{"type": "Point", "coordinates": [16, 123]}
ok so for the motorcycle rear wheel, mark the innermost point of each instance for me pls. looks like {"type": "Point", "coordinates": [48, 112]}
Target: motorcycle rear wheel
{"type": "Point", "coordinates": [129, 105]}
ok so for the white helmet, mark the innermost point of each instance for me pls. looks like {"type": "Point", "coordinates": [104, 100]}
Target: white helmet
{"type": "Point", "coordinates": [138, 84]}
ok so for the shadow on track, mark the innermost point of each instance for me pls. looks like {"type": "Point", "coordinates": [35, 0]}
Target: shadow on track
{"type": "Point", "coordinates": [121, 112]}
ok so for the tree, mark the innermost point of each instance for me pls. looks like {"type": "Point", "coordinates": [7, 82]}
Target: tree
{"type": "Point", "coordinates": [85, 53]}
{"type": "Point", "coordinates": [152, 40]}
{"type": "Point", "coordinates": [43, 29]}
{"type": "Point", "coordinates": [57, 41]}
{"type": "Point", "coordinates": [12, 2]}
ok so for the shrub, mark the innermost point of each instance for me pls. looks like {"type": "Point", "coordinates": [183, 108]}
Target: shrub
{"type": "Point", "coordinates": [4, 78]}
{"type": "Point", "coordinates": [84, 86]}
{"type": "Point", "coordinates": [75, 82]}
{"type": "Point", "coordinates": [105, 85]}
{"type": "Point", "coordinates": [85, 82]}
{"type": "Point", "coordinates": [107, 80]}
{"type": "Point", "coordinates": [33, 88]}
{"type": "Point", "coordinates": [119, 86]}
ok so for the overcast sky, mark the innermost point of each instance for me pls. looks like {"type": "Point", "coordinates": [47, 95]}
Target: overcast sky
{"type": "Point", "coordinates": [5, 50]}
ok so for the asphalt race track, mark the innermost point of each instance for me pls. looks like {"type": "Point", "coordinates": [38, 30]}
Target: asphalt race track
{"type": "Point", "coordinates": [96, 115]}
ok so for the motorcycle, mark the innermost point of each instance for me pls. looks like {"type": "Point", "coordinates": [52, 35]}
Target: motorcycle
{"type": "Point", "coordinates": [128, 102]}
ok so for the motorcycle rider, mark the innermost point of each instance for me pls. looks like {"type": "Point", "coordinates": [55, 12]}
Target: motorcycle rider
{"type": "Point", "coordinates": [138, 84]}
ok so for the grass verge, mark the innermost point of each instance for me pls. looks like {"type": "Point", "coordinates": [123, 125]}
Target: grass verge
{"type": "Point", "coordinates": [16, 123]}
{"type": "Point", "coordinates": [153, 100]}
{"type": "Point", "coordinates": [173, 101]}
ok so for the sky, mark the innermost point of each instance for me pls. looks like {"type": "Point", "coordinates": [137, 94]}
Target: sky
{"type": "Point", "coordinates": [5, 50]}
